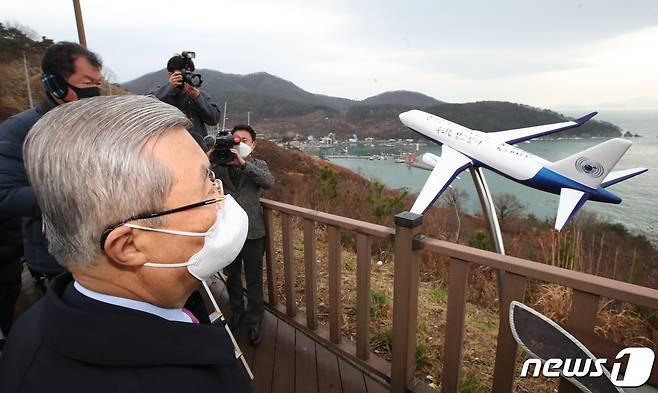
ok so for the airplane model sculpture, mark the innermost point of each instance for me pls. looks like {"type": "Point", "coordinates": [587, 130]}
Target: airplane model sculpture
{"type": "Point", "coordinates": [580, 177]}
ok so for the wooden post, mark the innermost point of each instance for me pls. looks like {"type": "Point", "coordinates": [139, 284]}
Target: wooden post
{"type": "Point", "coordinates": [584, 307]}
{"type": "Point", "coordinates": [405, 300]}
{"type": "Point", "coordinates": [268, 216]}
{"type": "Point", "coordinates": [363, 254]}
{"type": "Point", "coordinates": [78, 21]}
{"type": "Point", "coordinates": [310, 275]}
{"type": "Point", "coordinates": [288, 264]}
{"type": "Point", "coordinates": [454, 338]}
{"type": "Point", "coordinates": [513, 289]}
{"type": "Point", "coordinates": [333, 240]}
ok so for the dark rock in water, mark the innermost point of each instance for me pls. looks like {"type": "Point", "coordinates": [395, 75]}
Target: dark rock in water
{"type": "Point", "coordinates": [628, 134]}
{"type": "Point", "coordinates": [637, 136]}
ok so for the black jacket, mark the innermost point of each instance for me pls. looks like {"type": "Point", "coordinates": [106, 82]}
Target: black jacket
{"type": "Point", "coordinates": [16, 195]}
{"type": "Point", "coordinates": [70, 343]}
{"type": "Point", "coordinates": [11, 250]}
{"type": "Point", "coordinates": [252, 179]}
{"type": "Point", "coordinates": [201, 110]}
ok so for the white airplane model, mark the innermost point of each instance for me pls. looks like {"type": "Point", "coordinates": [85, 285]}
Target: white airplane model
{"type": "Point", "coordinates": [577, 178]}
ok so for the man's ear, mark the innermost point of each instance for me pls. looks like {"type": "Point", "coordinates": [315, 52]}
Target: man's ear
{"type": "Point", "coordinates": [121, 249]}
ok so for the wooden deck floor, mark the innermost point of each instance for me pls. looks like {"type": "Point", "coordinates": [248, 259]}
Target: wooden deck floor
{"type": "Point", "coordinates": [289, 361]}
{"type": "Point", "coordinates": [286, 361]}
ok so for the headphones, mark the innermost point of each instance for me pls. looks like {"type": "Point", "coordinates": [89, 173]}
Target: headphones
{"type": "Point", "coordinates": [55, 85]}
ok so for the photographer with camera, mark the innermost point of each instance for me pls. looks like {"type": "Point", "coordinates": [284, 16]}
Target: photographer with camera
{"type": "Point", "coordinates": [244, 177]}
{"type": "Point", "coordinates": [183, 91]}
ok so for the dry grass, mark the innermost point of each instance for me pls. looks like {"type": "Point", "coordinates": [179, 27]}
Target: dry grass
{"type": "Point", "coordinates": [615, 321]}
{"type": "Point", "coordinates": [619, 324]}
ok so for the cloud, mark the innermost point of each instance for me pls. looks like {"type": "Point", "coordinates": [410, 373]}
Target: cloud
{"type": "Point", "coordinates": [541, 53]}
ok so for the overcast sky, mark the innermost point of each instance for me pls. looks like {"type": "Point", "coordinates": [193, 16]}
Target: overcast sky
{"type": "Point", "coordinates": [543, 53]}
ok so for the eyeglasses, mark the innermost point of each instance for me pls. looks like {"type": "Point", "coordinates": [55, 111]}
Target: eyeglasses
{"type": "Point", "coordinates": [211, 176]}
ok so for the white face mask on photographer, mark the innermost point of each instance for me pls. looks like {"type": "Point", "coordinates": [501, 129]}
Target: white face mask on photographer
{"type": "Point", "coordinates": [222, 243]}
{"type": "Point", "coordinates": [243, 150]}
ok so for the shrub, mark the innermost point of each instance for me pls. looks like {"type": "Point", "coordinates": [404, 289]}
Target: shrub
{"type": "Point", "coordinates": [438, 293]}
{"type": "Point", "coordinates": [480, 239]}
{"type": "Point", "coordinates": [327, 182]}
{"type": "Point", "coordinates": [382, 206]}
{"type": "Point", "coordinates": [378, 301]}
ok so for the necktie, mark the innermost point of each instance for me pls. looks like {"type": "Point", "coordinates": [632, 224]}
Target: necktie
{"type": "Point", "coordinates": [189, 314]}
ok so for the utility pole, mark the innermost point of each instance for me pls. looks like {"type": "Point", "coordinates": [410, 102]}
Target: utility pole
{"type": "Point", "coordinates": [78, 20]}
{"type": "Point", "coordinates": [224, 120]}
{"type": "Point", "coordinates": [27, 81]}
{"type": "Point", "coordinates": [248, 119]}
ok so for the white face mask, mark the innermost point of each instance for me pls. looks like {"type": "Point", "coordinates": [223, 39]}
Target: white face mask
{"type": "Point", "coordinates": [221, 245]}
{"type": "Point", "coordinates": [244, 150]}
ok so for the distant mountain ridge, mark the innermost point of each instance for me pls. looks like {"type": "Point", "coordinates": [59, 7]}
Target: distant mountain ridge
{"type": "Point", "coordinates": [401, 97]}
{"type": "Point", "coordinates": [266, 85]}
{"type": "Point", "coordinates": [279, 107]}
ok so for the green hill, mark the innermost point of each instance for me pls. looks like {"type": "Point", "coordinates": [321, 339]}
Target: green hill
{"type": "Point", "coordinates": [381, 121]}
{"type": "Point", "coordinates": [280, 107]}
{"type": "Point", "coordinates": [496, 116]}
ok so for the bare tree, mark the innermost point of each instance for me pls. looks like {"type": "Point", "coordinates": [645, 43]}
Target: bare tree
{"type": "Point", "coordinates": [508, 205]}
{"type": "Point", "coordinates": [110, 78]}
{"type": "Point", "coordinates": [454, 197]}
{"type": "Point", "coordinates": [25, 29]}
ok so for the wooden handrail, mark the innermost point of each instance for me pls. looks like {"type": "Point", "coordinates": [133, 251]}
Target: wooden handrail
{"type": "Point", "coordinates": [288, 264]}
{"type": "Point", "coordinates": [587, 290]}
{"type": "Point", "coordinates": [363, 255]}
{"type": "Point", "coordinates": [334, 261]}
{"type": "Point", "coordinates": [406, 271]}
{"type": "Point", "coordinates": [622, 291]}
{"type": "Point", "coordinates": [455, 318]}
{"type": "Point", "coordinates": [349, 224]}
{"type": "Point", "coordinates": [310, 275]}
{"type": "Point", "coordinates": [269, 257]}
{"type": "Point", "coordinates": [513, 290]}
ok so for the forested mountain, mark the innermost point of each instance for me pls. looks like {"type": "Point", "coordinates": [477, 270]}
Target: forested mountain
{"type": "Point", "coordinates": [280, 107]}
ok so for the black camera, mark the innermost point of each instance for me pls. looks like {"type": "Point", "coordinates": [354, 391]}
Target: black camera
{"type": "Point", "coordinates": [188, 69]}
{"type": "Point", "coordinates": [222, 145]}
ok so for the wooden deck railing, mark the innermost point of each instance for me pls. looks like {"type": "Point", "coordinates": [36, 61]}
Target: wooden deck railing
{"type": "Point", "coordinates": [587, 290]}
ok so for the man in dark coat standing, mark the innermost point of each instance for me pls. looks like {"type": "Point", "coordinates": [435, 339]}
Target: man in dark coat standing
{"type": "Point", "coordinates": [245, 178]}
{"type": "Point", "coordinates": [70, 72]}
{"type": "Point", "coordinates": [138, 219]}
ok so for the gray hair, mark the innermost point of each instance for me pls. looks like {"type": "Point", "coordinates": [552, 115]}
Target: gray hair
{"type": "Point", "coordinates": [89, 167]}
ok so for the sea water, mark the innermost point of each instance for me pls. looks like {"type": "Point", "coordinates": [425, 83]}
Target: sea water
{"type": "Point", "coordinates": [638, 210]}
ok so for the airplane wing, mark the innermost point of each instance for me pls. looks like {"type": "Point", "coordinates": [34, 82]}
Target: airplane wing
{"type": "Point", "coordinates": [570, 201]}
{"type": "Point", "coordinates": [447, 167]}
{"type": "Point", "coordinates": [524, 134]}
{"type": "Point", "coordinates": [619, 176]}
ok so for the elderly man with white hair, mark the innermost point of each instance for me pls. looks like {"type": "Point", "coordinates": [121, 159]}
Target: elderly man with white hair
{"type": "Point", "coordinates": [132, 209]}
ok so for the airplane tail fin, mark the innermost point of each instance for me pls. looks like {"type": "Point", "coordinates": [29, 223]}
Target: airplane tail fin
{"type": "Point", "coordinates": [591, 166]}
{"type": "Point", "coordinates": [619, 176]}
{"type": "Point", "coordinates": [570, 201]}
